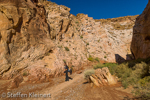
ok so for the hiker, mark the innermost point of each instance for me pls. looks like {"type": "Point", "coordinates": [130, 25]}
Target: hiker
{"type": "Point", "coordinates": [70, 67]}
{"type": "Point", "coordinates": [66, 71]}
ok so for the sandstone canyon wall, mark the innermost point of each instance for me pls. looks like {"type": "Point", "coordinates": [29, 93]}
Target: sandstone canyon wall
{"type": "Point", "coordinates": [141, 35]}
{"type": "Point", "coordinates": [36, 36]}
{"type": "Point", "coordinates": [25, 36]}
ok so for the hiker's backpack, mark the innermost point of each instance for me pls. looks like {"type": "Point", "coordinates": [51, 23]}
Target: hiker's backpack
{"type": "Point", "coordinates": [69, 70]}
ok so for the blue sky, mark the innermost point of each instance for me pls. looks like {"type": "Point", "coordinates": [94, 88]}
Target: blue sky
{"type": "Point", "coordinates": [99, 9]}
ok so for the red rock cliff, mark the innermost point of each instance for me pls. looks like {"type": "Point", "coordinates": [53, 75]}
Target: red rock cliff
{"type": "Point", "coordinates": [140, 45]}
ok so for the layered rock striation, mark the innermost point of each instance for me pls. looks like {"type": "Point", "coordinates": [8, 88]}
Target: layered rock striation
{"type": "Point", "coordinates": [25, 35]}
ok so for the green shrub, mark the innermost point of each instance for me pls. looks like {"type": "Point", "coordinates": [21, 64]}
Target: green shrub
{"type": "Point", "coordinates": [118, 26]}
{"type": "Point", "coordinates": [142, 91]}
{"type": "Point", "coordinates": [81, 37]}
{"type": "Point", "coordinates": [125, 84]}
{"type": "Point", "coordinates": [46, 54]}
{"type": "Point", "coordinates": [122, 71]}
{"type": "Point", "coordinates": [91, 58]}
{"type": "Point", "coordinates": [25, 74]}
{"type": "Point", "coordinates": [131, 76]}
{"type": "Point", "coordinates": [88, 73]}
{"type": "Point", "coordinates": [134, 62]}
{"type": "Point", "coordinates": [66, 48]}
{"type": "Point", "coordinates": [135, 73]}
{"type": "Point", "coordinates": [140, 70]}
{"type": "Point", "coordinates": [144, 81]}
{"type": "Point", "coordinates": [60, 46]}
{"type": "Point", "coordinates": [99, 65]}
{"type": "Point", "coordinates": [111, 66]}
{"type": "Point", "coordinates": [87, 43]}
{"type": "Point", "coordinates": [105, 56]}
{"type": "Point", "coordinates": [97, 59]}
{"type": "Point", "coordinates": [77, 22]}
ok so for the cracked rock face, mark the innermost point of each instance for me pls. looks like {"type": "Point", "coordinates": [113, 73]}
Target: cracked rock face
{"type": "Point", "coordinates": [141, 35]}
{"type": "Point", "coordinates": [24, 35]}
{"type": "Point", "coordinates": [38, 35]}
{"type": "Point", "coordinates": [108, 39]}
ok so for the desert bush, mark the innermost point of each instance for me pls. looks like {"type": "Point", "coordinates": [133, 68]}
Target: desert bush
{"type": "Point", "coordinates": [142, 88]}
{"type": "Point", "coordinates": [99, 65]}
{"type": "Point", "coordinates": [88, 73]}
{"type": "Point", "coordinates": [144, 81]}
{"type": "Point", "coordinates": [59, 46]}
{"type": "Point", "coordinates": [96, 59]}
{"type": "Point", "coordinates": [77, 22]}
{"type": "Point", "coordinates": [122, 71]}
{"type": "Point", "coordinates": [110, 64]}
{"type": "Point", "coordinates": [111, 67]}
{"type": "Point", "coordinates": [125, 84]}
{"type": "Point", "coordinates": [131, 76]}
{"type": "Point", "coordinates": [90, 58]}
{"type": "Point", "coordinates": [81, 37]}
{"type": "Point", "coordinates": [134, 62]}
{"type": "Point", "coordinates": [93, 59]}
{"type": "Point", "coordinates": [118, 26]}
{"type": "Point", "coordinates": [135, 73]}
{"type": "Point", "coordinates": [25, 73]}
{"type": "Point", "coordinates": [87, 43]}
{"type": "Point", "coordinates": [140, 70]}
{"type": "Point", "coordinates": [66, 48]}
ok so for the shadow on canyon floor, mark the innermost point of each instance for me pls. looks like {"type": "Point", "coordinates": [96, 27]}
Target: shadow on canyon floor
{"type": "Point", "coordinates": [120, 59]}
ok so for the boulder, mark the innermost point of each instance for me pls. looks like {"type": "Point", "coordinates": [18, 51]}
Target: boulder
{"type": "Point", "coordinates": [103, 77]}
{"type": "Point", "coordinates": [94, 81]}
{"type": "Point", "coordinates": [100, 75]}
{"type": "Point", "coordinates": [108, 76]}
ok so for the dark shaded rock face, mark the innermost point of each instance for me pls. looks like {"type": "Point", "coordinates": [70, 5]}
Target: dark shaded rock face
{"type": "Point", "coordinates": [141, 35]}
